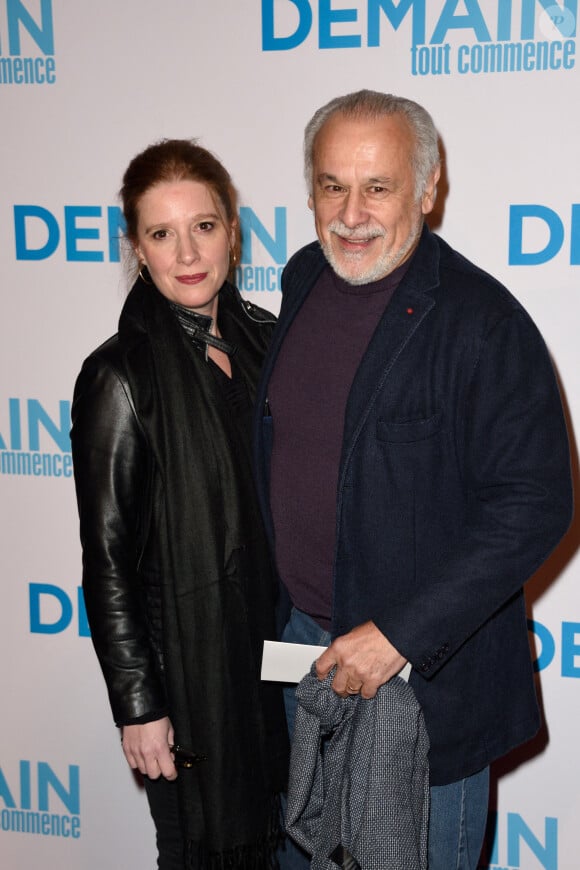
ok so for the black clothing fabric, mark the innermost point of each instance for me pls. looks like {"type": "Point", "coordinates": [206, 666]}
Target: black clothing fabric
{"type": "Point", "coordinates": [163, 798]}
{"type": "Point", "coordinates": [177, 578]}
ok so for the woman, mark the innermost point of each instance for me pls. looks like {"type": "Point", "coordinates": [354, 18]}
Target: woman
{"type": "Point", "coordinates": [176, 575]}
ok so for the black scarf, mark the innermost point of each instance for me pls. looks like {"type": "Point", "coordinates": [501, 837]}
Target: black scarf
{"type": "Point", "coordinates": [218, 591]}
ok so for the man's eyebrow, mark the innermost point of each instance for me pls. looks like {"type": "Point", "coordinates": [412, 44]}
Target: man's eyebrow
{"type": "Point", "coordinates": [378, 179]}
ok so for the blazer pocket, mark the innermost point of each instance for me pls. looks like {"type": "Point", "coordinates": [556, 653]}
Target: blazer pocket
{"type": "Point", "coordinates": [410, 431]}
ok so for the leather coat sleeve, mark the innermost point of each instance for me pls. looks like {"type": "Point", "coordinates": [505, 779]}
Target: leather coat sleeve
{"type": "Point", "coordinates": [111, 477]}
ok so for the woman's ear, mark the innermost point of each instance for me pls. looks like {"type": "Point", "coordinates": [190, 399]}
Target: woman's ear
{"type": "Point", "coordinates": [234, 229]}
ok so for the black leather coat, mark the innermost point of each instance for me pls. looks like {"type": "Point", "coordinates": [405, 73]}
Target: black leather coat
{"type": "Point", "coordinates": [119, 494]}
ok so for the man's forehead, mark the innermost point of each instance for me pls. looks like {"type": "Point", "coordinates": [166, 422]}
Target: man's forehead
{"type": "Point", "coordinates": [376, 149]}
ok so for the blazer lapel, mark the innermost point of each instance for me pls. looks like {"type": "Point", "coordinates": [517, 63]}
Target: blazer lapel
{"type": "Point", "coordinates": [410, 304]}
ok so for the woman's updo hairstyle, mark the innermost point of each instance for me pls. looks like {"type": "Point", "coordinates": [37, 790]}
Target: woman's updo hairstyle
{"type": "Point", "coordinates": [178, 160]}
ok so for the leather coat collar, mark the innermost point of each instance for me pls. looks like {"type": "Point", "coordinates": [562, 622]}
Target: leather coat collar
{"type": "Point", "coordinates": [198, 327]}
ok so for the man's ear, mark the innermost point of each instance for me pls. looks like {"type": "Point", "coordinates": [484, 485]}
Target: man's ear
{"type": "Point", "coordinates": [430, 192]}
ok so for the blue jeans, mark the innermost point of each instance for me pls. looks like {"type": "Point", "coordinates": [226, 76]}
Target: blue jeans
{"type": "Point", "coordinates": [457, 821]}
{"type": "Point", "coordinates": [458, 812]}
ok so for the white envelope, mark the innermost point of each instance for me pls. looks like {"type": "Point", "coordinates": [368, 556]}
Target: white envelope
{"type": "Point", "coordinates": [288, 662]}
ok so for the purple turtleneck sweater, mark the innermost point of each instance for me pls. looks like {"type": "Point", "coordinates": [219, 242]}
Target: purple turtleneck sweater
{"type": "Point", "coordinates": [308, 393]}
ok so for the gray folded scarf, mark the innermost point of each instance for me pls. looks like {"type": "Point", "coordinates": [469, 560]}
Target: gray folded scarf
{"type": "Point", "coordinates": [359, 777]}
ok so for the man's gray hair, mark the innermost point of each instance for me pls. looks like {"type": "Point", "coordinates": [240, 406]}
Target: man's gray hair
{"type": "Point", "coordinates": [373, 104]}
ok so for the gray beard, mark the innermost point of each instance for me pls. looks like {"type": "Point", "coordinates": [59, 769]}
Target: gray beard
{"type": "Point", "coordinates": [383, 266]}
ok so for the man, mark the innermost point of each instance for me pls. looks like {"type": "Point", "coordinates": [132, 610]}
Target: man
{"type": "Point", "coordinates": [413, 459]}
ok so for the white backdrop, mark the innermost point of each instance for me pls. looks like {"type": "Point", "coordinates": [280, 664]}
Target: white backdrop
{"type": "Point", "coordinates": [86, 85]}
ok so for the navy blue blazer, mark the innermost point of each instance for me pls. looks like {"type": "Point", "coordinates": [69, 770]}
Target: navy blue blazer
{"type": "Point", "coordinates": [454, 486]}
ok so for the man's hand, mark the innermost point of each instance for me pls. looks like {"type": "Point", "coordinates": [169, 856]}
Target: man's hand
{"type": "Point", "coordinates": [146, 748]}
{"type": "Point", "coordinates": [364, 660]}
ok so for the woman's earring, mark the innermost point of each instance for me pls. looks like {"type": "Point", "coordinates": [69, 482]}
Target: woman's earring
{"type": "Point", "coordinates": [147, 280]}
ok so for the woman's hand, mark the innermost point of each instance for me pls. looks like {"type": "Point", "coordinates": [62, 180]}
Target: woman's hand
{"type": "Point", "coordinates": [146, 748]}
